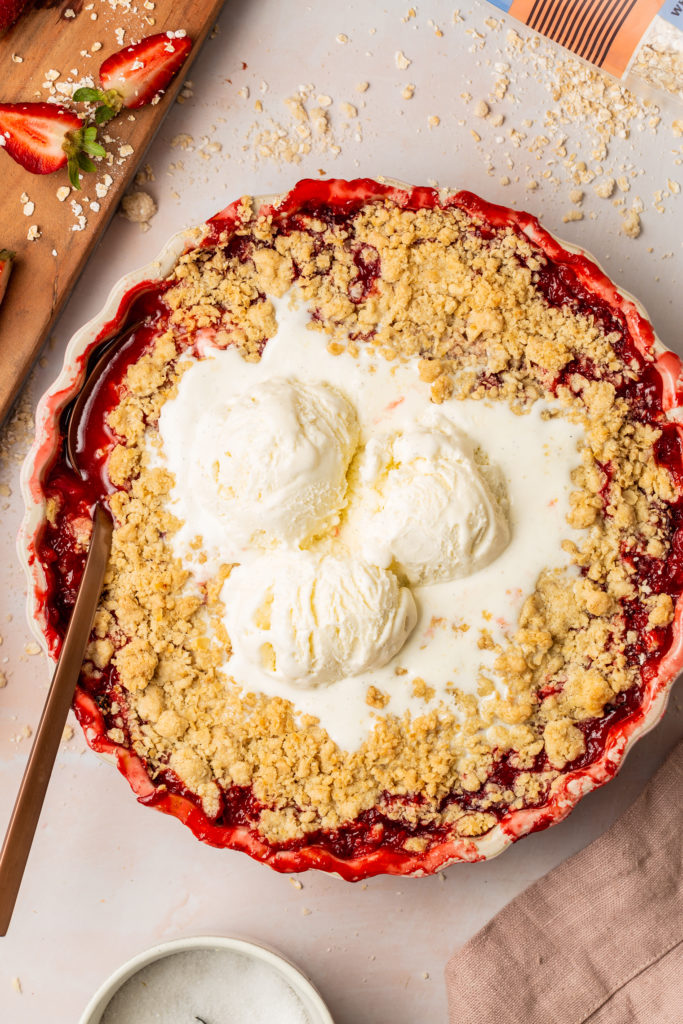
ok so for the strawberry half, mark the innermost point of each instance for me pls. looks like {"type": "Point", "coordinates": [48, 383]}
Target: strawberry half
{"type": "Point", "coordinates": [6, 259]}
{"type": "Point", "coordinates": [139, 73]}
{"type": "Point", "coordinates": [43, 137]}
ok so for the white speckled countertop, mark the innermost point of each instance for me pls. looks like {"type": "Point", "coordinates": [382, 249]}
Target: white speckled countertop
{"type": "Point", "coordinates": [106, 877]}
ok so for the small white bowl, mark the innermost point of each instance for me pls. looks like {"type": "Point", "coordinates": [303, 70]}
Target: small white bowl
{"type": "Point", "coordinates": [297, 981]}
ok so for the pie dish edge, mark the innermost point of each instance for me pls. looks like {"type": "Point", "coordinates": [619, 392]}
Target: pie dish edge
{"type": "Point", "coordinates": [574, 785]}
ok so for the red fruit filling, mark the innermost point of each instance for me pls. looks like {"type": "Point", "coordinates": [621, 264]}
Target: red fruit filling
{"type": "Point", "coordinates": [566, 280]}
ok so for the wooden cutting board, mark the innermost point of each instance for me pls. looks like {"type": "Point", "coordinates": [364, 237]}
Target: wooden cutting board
{"type": "Point", "coordinates": [63, 38]}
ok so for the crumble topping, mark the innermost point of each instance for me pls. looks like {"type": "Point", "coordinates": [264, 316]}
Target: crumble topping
{"type": "Point", "coordinates": [424, 284]}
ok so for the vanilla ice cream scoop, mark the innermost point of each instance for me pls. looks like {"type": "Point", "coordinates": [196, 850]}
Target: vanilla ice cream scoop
{"type": "Point", "coordinates": [426, 508]}
{"type": "Point", "coordinates": [259, 469]}
{"type": "Point", "coordinates": [310, 620]}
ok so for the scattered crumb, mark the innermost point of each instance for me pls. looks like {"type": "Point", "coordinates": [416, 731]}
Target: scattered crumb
{"type": "Point", "coordinates": [408, 91]}
{"type": "Point", "coordinates": [630, 225]}
{"type": "Point", "coordinates": [402, 62]}
{"type": "Point", "coordinates": [604, 188]}
{"type": "Point", "coordinates": [482, 109]}
{"type": "Point", "coordinates": [138, 207]}
{"type": "Point", "coordinates": [33, 233]}
{"type": "Point", "coordinates": [63, 193]}
{"type": "Point", "coordinates": [295, 882]}
{"type": "Point", "coordinates": [571, 216]}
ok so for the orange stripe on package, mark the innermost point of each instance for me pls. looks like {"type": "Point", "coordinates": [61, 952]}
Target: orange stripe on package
{"type": "Point", "coordinates": [643, 38]}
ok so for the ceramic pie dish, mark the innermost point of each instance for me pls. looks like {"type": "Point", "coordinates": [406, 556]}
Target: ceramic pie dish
{"type": "Point", "coordinates": [581, 658]}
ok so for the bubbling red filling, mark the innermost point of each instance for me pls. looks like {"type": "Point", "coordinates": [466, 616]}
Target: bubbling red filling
{"type": "Point", "coordinates": [568, 281]}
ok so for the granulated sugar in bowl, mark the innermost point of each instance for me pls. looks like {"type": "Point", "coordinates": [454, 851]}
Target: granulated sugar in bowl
{"type": "Point", "coordinates": [207, 981]}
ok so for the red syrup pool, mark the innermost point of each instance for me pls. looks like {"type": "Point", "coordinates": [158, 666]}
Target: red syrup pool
{"type": "Point", "coordinates": [565, 280]}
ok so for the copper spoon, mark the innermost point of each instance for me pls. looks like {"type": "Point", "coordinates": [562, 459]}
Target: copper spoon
{"type": "Point", "coordinates": [29, 802]}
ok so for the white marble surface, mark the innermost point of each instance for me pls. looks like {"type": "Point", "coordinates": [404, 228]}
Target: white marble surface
{"type": "Point", "coordinates": [106, 877]}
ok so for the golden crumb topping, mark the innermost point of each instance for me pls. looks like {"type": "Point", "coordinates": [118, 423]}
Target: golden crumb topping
{"type": "Point", "coordinates": [470, 305]}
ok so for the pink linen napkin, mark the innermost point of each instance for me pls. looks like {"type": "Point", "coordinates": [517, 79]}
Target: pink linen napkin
{"type": "Point", "coordinates": [599, 939]}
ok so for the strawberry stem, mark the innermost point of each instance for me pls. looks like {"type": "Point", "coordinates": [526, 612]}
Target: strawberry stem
{"type": "Point", "coordinates": [108, 102]}
{"type": "Point", "coordinates": [77, 145]}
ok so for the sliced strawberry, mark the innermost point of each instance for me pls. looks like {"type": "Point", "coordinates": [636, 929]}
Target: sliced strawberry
{"type": "Point", "coordinates": [6, 260]}
{"type": "Point", "coordinates": [11, 11]}
{"type": "Point", "coordinates": [137, 74]}
{"type": "Point", "coordinates": [43, 137]}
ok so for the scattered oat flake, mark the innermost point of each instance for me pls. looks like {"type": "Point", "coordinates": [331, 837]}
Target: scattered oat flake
{"type": "Point", "coordinates": [16, 985]}
{"type": "Point", "coordinates": [348, 110]}
{"type": "Point", "coordinates": [126, 150]}
{"type": "Point", "coordinates": [296, 883]}
{"type": "Point", "coordinates": [32, 648]}
{"type": "Point", "coordinates": [402, 62]}
{"type": "Point", "coordinates": [33, 233]}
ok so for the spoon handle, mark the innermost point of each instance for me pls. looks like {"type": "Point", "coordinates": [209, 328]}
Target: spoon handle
{"type": "Point", "coordinates": [38, 770]}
